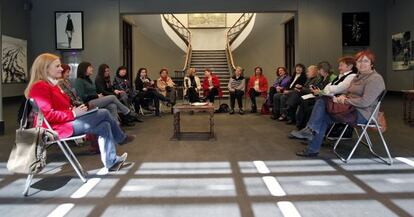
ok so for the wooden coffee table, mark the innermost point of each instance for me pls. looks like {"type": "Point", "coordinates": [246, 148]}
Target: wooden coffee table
{"type": "Point", "coordinates": [177, 109]}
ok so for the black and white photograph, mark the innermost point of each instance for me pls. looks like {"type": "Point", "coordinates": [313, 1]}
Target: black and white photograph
{"type": "Point", "coordinates": [402, 51]}
{"type": "Point", "coordinates": [355, 29]}
{"type": "Point", "coordinates": [14, 60]}
{"type": "Point", "coordinates": [69, 30]}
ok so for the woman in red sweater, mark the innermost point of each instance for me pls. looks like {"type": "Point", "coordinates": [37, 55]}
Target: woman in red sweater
{"type": "Point", "coordinates": [211, 85]}
{"type": "Point", "coordinates": [67, 120]}
{"type": "Point", "coordinates": [257, 86]}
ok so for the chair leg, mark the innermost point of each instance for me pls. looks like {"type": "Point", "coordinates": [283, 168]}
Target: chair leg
{"type": "Point", "coordinates": [27, 185]}
{"type": "Point", "coordinates": [330, 130]}
{"type": "Point", "coordinates": [71, 161]}
{"type": "Point", "coordinates": [337, 143]}
{"type": "Point", "coordinates": [75, 159]}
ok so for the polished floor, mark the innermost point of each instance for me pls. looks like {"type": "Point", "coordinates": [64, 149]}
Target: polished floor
{"type": "Point", "coordinates": [249, 170]}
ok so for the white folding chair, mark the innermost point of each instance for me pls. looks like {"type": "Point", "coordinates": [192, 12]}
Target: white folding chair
{"type": "Point", "coordinates": [371, 123]}
{"type": "Point", "coordinates": [62, 143]}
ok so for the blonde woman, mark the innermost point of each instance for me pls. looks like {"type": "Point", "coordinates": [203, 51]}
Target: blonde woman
{"type": "Point", "coordinates": [192, 86]}
{"type": "Point", "coordinates": [71, 121]}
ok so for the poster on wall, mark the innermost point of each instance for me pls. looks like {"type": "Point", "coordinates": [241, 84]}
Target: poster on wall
{"type": "Point", "coordinates": [69, 30]}
{"type": "Point", "coordinates": [14, 62]}
{"type": "Point", "coordinates": [402, 54]}
{"type": "Point", "coordinates": [208, 20]}
{"type": "Point", "coordinates": [355, 29]}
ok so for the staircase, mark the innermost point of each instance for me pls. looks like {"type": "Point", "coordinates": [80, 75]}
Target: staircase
{"type": "Point", "coordinates": [216, 60]}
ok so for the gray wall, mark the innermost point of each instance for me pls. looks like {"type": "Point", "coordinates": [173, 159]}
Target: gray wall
{"type": "Point", "coordinates": [152, 56]}
{"type": "Point", "coordinates": [319, 25]}
{"type": "Point", "coordinates": [263, 47]}
{"type": "Point", "coordinates": [400, 19]}
{"type": "Point", "coordinates": [101, 29]}
{"type": "Point", "coordinates": [320, 34]}
{"type": "Point", "coordinates": [15, 23]}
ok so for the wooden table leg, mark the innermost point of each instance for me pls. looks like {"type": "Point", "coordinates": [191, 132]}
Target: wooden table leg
{"type": "Point", "coordinates": [405, 111]}
{"type": "Point", "coordinates": [176, 124]}
{"type": "Point", "coordinates": [212, 125]}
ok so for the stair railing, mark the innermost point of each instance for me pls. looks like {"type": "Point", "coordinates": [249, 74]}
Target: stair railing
{"type": "Point", "coordinates": [182, 32]}
{"type": "Point", "coordinates": [234, 32]}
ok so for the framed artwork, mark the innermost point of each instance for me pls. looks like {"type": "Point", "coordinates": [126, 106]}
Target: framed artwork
{"type": "Point", "coordinates": [14, 62]}
{"type": "Point", "coordinates": [69, 30]}
{"type": "Point", "coordinates": [207, 20]}
{"type": "Point", "coordinates": [355, 29]}
{"type": "Point", "coordinates": [402, 54]}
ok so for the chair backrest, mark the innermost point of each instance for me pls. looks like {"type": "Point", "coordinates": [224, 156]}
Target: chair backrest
{"type": "Point", "coordinates": [36, 110]}
{"type": "Point", "coordinates": [378, 105]}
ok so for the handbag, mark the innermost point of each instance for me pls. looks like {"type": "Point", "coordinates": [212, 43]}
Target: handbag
{"type": "Point", "coordinates": [28, 155]}
{"type": "Point", "coordinates": [382, 122]}
{"type": "Point", "coordinates": [340, 113]}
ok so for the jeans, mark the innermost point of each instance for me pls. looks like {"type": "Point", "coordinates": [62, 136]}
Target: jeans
{"type": "Point", "coordinates": [272, 92]}
{"type": "Point", "coordinates": [171, 94]}
{"type": "Point", "coordinates": [112, 104]}
{"type": "Point", "coordinates": [253, 95]}
{"type": "Point", "coordinates": [279, 104]}
{"type": "Point", "coordinates": [102, 124]}
{"type": "Point", "coordinates": [319, 122]}
{"type": "Point", "coordinates": [237, 94]}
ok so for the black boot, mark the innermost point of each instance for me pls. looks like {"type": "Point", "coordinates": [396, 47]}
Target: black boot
{"type": "Point", "coordinates": [254, 109]}
{"type": "Point", "coordinates": [125, 121]}
{"type": "Point", "coordinates": [134, 117]}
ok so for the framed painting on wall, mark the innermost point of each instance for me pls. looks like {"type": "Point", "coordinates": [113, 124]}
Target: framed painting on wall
{"type": "Point", "coordinates": [69, 30]}
{"type": "Point", "coordinates": [14, 60]}
{"type": "Point", "coordinates": [402, 54]}
{"type": "Point", "coordinates": [355, 29]}
{"type": "Point", "coordinates": [207, 20]}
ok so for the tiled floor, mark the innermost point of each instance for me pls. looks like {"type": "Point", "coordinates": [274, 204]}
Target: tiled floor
{"type": "Point", "coordinates": [250, 170]}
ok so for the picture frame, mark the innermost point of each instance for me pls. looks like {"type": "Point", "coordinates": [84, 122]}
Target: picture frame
{"type": "Point", "coordinates": [402, 54]}
{"type": "Point", "coordinates": [355, 29]}
{"type": "Point", "coordinates": [14, 60]}
{"type": "Point", "coordinates": [69, 30]}
{"type": "Point", "coordinates": [207, 20]}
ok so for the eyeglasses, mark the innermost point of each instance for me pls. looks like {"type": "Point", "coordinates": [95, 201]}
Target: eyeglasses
{"type": "Point", "coordinates": [366, 61]}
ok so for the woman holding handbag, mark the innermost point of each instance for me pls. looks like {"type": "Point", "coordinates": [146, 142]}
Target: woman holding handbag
{"type": "Point", "coordinates": [67, 120]}
{"type": "Point", "coordinates": [361, 97]}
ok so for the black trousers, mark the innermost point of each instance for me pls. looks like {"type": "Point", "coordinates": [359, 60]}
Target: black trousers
{"type": "Point", "coordinates": [192, 95]}
{"type": "Point", "coordinates": [212, 94]}
{"type": "Point", "coordinates": [253, 95]}
{"type": "Point", "coordinates": [304, 112]}
{"type": "Point", "coordinates": [151, 94]}
{"type": "Point", "coordinates": [237, 94]}
{"type": "Point", "coordinates": [294, 99]}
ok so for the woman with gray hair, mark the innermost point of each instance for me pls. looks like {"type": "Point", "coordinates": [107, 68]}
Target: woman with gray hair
{"type": "Point", "coordinates": [236, 88]}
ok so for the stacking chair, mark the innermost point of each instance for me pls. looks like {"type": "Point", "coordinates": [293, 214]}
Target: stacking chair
{"type": "Point", "coordinates": [62, 143]}
{"type": "Point", "coordinates": [373, 124]}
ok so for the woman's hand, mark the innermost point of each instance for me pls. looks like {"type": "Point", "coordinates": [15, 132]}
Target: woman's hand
{"type": "Point", "coordinates": [80, 110]}
{"type": "Point", "coordinates": [117, 92]}
{"type": "Point", "coordinates": [100, 95]}
{"type": "Point", "coordinates": [340, 99]}
{"type": "Point", "coordinates": [315, 91]}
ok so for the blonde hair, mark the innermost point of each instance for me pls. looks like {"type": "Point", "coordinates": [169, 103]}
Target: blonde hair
{"type": "Point", "coordinates": [312, 67]}
{"type": "Point", "coordinates": [191, 71]}
{"type": "Point", "coordinates": [39, 69]}
{"type": "Point", "coordinates": [240, 68]}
